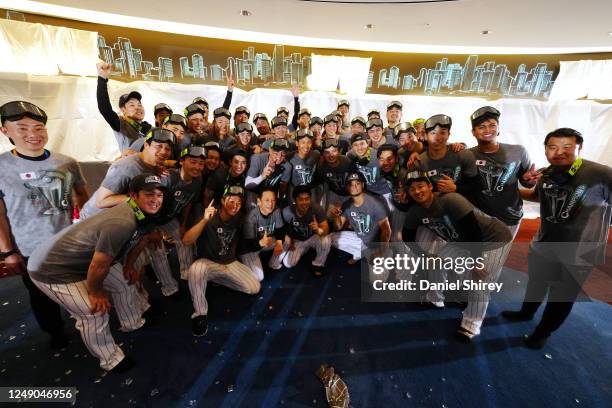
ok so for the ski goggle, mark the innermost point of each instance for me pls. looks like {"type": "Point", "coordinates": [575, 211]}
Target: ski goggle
{"type": "Point", "coordinates": [213, 146]}
{"type": "Point", "coordinates": [395, 104]}
{"type": "Point", "coordinates": [244, 126]}
{"type": "Point", "coordinates": [243, 109]}
{"type": "Point", "coordinates": [302, 133]}
{"type": "Point", "coordinates": [176, 119]}
{"type": "Point", "coordinates": [282, 110]}
{"type": "Point", "coordinates": [315, 121]}
{"type": "Point", "coordinates": [161, 136]}
{"type": "Point", "coordinates": [484, 111]}
{"type": "Point", "coordinates": [222, 112]}
{"type": "Point", "coordinates": [438, 120]}
{"type": "Point", "coordinates": [260, 116]}
{"type": "Point", "coordinates": [416, 176]}
{"type": "Point", "coordinates": [162, 106]}
{"type": "Point", "coordinates": [373, 123]}
{"type": "Point", "coordinates": [233, 191]}
{"type": "Point", "coordinates": [17, 110]}
{"type": "Point", "coordinates": [330, 118]}
{"type": "Point", "coordinates": [358, 119]}
{"type": "Point", "coordinates": [200, 100]}
{"type": "Point", "coordinates": [194, 151]}
{"type": "Point", "coordinates": [279, 145]}
{"type": "Point", "coordinates": [193, 109]}
{"type": "Point", "coordinates": [404, 127]}
{"type": "Point", "coordinates": [327, 143]}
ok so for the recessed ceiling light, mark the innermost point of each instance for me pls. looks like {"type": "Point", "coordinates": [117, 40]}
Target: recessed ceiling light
{"type": "Point", "coordinates": [485, 32]}
{"type": "Point", "coordinates": [368, 26]}
{"type": "Point", "coordinates": [245, 13]}
{"type": "Point", "coordinates": [610, 33]}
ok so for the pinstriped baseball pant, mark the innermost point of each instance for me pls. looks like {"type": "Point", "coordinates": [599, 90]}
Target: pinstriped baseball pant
{"type": "Point", "coordinates": [94, 328]}
{"type": "Point", "coordinates": [184, 252]}
{"type": "Point", "coordinates": [234, 275]}
{"type": "Point", "coordinates": [253, 262]}
{"type": "Point", "coordinates": [321, 245]}
{"type": "Point", "coordinates": [348, 241]}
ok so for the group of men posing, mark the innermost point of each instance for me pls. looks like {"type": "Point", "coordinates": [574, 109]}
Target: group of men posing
{"type": "Point", "coordinates": [223, 195]}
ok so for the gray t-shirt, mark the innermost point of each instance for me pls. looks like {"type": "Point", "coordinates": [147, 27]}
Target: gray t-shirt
{"type": "Point", "coordinates": [577, 211]}
{"type": "Point", "coordinates": [444, 215]}
{"type": "Point", "coordinates": [297, 227]}
{"type": "Point", "coordinates": [456, 165]}
{"type": "Point", "coordinates": [218, 241]}
{"type": "Point", "coordinates": [38, 196]}
{"type": "Point", "coordinates": [65, 257]}
{"type": "Point", "coordinates": [365, 218]}
{"type": "Point", "coordinates": [256, 224]}
{"type": "Point", "coordinates": [499, 174]}
{"type": "Point", "coordinates": [303, 170]}
{"type": "Point", "coordinates": [127, 135]}
{"type": "Point", "coordinates": [368, 166]}
{"type": "Point", "coordinates": [117, 180]}
{"type": "Point", "coordinates": [282, 172]}
{"type": "Point", "coordinates": [334, 176]}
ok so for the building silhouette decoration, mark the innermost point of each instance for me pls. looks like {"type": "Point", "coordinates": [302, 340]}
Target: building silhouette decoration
{"type": "Point", "coordinates": [260, 68]}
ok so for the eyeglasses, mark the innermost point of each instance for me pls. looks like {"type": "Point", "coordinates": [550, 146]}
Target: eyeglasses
{"type": "Point", "coordinates": [485, 110]}
{"type": "Point", "coordinates": [161, 136]}
{"type": "Point", "coordinates": [233, 190]}
{"type": "Point", "coordinates": [18, 109]}
{"type": "Point", "coordinates": [195, 151]}
{"type": "Point", "coordinates": [438, 120]}
{"type": "Point", "coordinates": [177, 119]}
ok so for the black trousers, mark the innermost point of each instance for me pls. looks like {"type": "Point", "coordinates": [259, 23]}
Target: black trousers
{"type": "Point", "coordinates": [561, 282]}
{"type": "Point", "coordinates": [46, 311]}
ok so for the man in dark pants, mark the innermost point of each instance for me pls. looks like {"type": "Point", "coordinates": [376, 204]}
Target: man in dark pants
{"type": "Point", "coordinates": [575, 212]}
{"type": "Point", "coordinates": [37, 191]}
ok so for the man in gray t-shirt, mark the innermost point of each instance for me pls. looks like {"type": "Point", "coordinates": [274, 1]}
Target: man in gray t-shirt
{"type": "Point", "coordinates": [37, 190]}
{"type": "Point", "coordinates": [575, 212]}
{"type": "Point", "coordinates": [269, 170]}
{"type": "Point", "coordinates": [365, 161]}
{"type": "Point", "coordinates": [361, 221]}
{"type": "Point", "coordinates": [454, 219]}
{"type": "Point", "coordinates": [80, 266]}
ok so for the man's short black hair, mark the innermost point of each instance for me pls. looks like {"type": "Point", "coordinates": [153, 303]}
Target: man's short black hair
{"type": "Point", "coordinates": [565, 132]}
{"type": "Point", "coordinates": [301, 190]}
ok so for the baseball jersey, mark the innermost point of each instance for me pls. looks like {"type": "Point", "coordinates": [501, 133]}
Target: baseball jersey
{"type": "Point", "coordinates": [443, 217]}
{"type": "Point", "coordinates": [577, 211]}
{"type": "Point", "coordinates": [368, 166]}
{"type": "Point", "coordinates": [456, 165]}
{"type": "Point", "coordinates": [365, 218]}
{"type": "Point", "coordinates": [117, 180]}
{"type": "Point", "coordinates": [303, 170]}
{"type": "Point", "coordinates": [282, 172]}
{"type": "Point", "coordinates": [219, 239]}
{"type": "Point", "coordinates": [498, 174]}
{"type": "Point", "coordinates": [66, 256]}
{"type": "Point", "coordinates": [38, 196]}
{"type": "Point", "coordinates": [220, 180]}
{"type": "Point", "coordinates": [334, 175]}
{"type": "Point", "coordinates": [297, 227]}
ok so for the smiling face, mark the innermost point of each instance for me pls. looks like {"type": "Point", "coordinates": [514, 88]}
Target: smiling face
{"type": "Point", "coordinates": [387, 161]}
{"type": "Point", "coordinates": [331, 128]}
{"type": "Point", "coordinates": [438, 137]}
{"type": "Point", "coordinates": [360, 147]}
{"type": "Point", "coordinates": [193, 165]}
{"type": "Point", "coordinates": [486, 131]}
{"type": "Point", "coordinates": [303, 121]}
{"type": "Point", "coordinates": [354, 187]}
{"type": "Point", "coordinates": [222, 125]}
{"type": "Point", "coordinates": [562, 151]}
{"type": "Point", "coordinates": [156, 153]}
{"type": "Point", "coordinates": [178, 130]}
{"type": "Point", "coordinates": [277, 157]}
{"type": "Point", "coordinates": [213, 159]}
{"type": "Point", "coordinates": [375, 134]}
{"type": "Point", "coordinates": [231, 205]}
{"type": "Point", "coordinates": [244, 137]}
{"type": "Point", "coordinates": [302, 202]}
{"type": "Point", "coordinates": [421, 191]}
{"type": "Point", "coordinates": [357, 128]}
{"type": "Point", "coordinates": [150, 202]}
{"type": "Point", "coordinates": [196, 123]}
{"type": "Point", "coordinates": [407, 140]}
{"type": "Point", "coordinates": [29, 135]}
{"type": "Point", "coordinates": [240, 118]}
{"type": "Point", "coordinates": [133, 109]}
{"type": "Point", "coordinates": [238, 165]}
{"type": "Point", "coordinates": [331, 155]}
{"type": "Point", "coordinates": [280, 131]}
{"type": "Point", "coordinates": [304, 146]}
{"type": "Point", "coordinates": [394, 115]}
{"type": "Point", "coordinates": [262, 126]}
{"type": "Point", "coordinates": [267, 202]}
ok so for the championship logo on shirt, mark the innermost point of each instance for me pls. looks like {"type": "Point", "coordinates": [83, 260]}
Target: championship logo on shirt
{"type": "Point", "coordinates": [360, 222]}
{"type": "Point", "coordinates": [180, 199]}
{"type": "Point", "coordinates": [562, 201]}
{"type": "Point", "coordinates": [225, 238]}
{"type": "Point", "coordinates": [443, 227]}
{"type": "Point", "coordinates": [335, 181]}
{"type": "Point", "coordinates": [436, 175]}
{"type": "Point", "coordinates": [266, 229]}
{"type": "Point", "coordinates": [370, 173]}
{"type": "Point", "coordinates": [275, 177]}
{"type": "Point", "coordinates": [50, 189]}
{"type": "Point", "coordinates": [494, 176]}
{"type": "Point", "coordinates": [304, 174]}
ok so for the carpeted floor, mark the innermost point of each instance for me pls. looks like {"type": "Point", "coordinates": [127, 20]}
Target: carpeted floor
{"type": "Point", "coordinates": [263, 350]}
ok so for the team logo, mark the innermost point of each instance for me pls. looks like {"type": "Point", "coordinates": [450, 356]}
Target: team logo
{"type": "Point", "coordinates": [53, 187]}
{"type": "Point", "coordinates": [563, 201]}
{"type": "Point", "coordinates": [495, 176]}
{"type": "Point", "coordinates": [304, 174]}
{"type": "Point", "coordinates": [225, 238]}
{"type": "Point", "coordinates": [361, 222]}
{"type": "Point", "coordinates": [443, 227]}
{"type": "Point", "coordinates": [370, 173]}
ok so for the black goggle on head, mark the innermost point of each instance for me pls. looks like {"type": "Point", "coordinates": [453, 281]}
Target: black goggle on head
{"type": "Point", "coordinates": [485, 111]}
{"type": "Point", "coordinates": [222, 112]}
{"type": "Point", "coordinates": [194, 151]}
{"type": "Point", "coordinates": [176, 119]}
{"type": "Point", "coordinates": [327, 143]}
{"type": "Point", "coordinates": [233, 191]}
{"type": "Point", "coordinates": [193, 109]}
{"type": "Point", "coordinates": [403, 128]}
{"type": "Point", "coordinates": [160, 135]}
{"type": "Point", "coordinates": [438, 120]}
{"type": "Point", "coordinates": [17, 110]}
{"type": "Point", "coordinates": [416, 175]}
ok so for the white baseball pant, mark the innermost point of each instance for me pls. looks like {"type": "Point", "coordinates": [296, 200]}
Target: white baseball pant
{"type": "Point", "coordinates": [321, 245]}
{"type": "Point", "coordinates": [253, 262]}
{"type": "Point", "coordinates": [184, 252]}
{"type": "Point", "coordinates": [234, 275]}
{"type": "Point", "coordinates": [348, 241]}
{"type": "Point", "coordinates": [94, 328]}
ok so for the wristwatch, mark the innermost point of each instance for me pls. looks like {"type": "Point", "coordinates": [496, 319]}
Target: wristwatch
{"type": "Point", "coordinates": [4, 255]}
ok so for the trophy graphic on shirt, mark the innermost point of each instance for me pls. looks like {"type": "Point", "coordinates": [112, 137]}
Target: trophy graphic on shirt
{"type": "Point", "coordinates": [491, 174]}
{"type": "Point", "coordinates": [305, 174]}
{"type": "Point", "coordinates": [443, 228]}
{"type": "Point", "coordinates": [368, 172]}
{"type": "Point", "coordinates": [225, 238]}
{"type": "Point", "coordinates": [362, 221]}
{"type": "Point", "coordinates": [557, 198]}
{"type": "Point", "coordinates": [54, 186]}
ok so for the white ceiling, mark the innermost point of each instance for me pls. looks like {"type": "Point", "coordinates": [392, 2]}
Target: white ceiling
{"type": "Point", "coordinates": [517, 26]}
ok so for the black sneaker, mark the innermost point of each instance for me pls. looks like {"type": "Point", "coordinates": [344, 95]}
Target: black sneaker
{"type": "Point", "coordinates": [318, 271]}
{"type": "Point", "coordinates": [125, 365]}
{"type": "Point", "coordinates": [516, 316]}
{"type": "Point", "coordinates": [536, 341]}
{"type": "Point", "coordinates": [464, 336]}
{"type": "Point", "coordinates": [199, 326]}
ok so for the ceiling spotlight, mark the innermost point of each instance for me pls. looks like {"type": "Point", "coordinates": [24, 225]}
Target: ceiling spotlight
{"type": "Point", "coordinates": [245, 13]}
{"type": "Point", "coordinates": [485, 32]}
{"type": "Point", "coordinates": [610, 33]}
{"type": "Point", "coordinates": [368, 26]}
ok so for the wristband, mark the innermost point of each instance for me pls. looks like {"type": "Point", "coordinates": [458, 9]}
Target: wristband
{"type": "Point", "coordinates": [4, 255]}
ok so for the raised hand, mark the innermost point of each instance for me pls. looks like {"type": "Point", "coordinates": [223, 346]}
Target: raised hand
{"type": "Point", "coordinates": [104, 69]}
{"type": "Point", "coordinates": [210, 211]}
{"type": "Point", "coordinates": [446, 185]}
{"type": "Point", "coordinates": [532, 175]}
